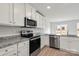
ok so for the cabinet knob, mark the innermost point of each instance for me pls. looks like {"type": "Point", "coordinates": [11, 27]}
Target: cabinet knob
{"type": "Point", "coordinates": [6, 50]}
{"type": "Point", "coordinates": [10, 22]}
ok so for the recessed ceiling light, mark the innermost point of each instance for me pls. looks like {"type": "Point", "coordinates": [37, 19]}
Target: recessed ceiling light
{"type": "Point", "coordinates": [48, 7]}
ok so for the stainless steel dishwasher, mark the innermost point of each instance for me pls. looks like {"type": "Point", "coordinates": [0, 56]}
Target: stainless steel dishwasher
{"type": "Point", "coordinates": [54, 41]}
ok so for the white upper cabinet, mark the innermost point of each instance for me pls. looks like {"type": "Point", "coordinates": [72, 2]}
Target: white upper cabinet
{"type": "Point", "coordinates": [37, 18]}
{"type": "Point", "coordinates": [33, 14]}
{"type": "Point", "coordinates": [19, 14]}
{"type": "Point", "coordinates": [4, 13]}
{"type": "Point", "coordinates": [28, 11]}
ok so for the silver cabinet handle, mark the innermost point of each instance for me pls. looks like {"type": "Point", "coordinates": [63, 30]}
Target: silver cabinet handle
{"type": "Point", "coordinates": [35, 38]}
{"type": "Point", "coordinates": [6, 50]}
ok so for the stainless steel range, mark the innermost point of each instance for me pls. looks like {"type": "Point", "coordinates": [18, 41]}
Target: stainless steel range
{"type": "Point", "coordinates": [35, 45]}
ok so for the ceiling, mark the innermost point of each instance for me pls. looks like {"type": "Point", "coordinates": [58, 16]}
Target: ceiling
{"type": "Point", "coordinates": [58, 11]}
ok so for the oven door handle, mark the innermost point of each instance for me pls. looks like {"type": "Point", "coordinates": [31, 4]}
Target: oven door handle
{"type": "Point", "coordinates": [34, 38]}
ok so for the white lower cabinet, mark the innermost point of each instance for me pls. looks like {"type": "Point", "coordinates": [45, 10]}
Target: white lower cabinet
{"type": "Point", "coordinates": [74, 44]}
{"type": "Point", "coordinates": [23, 48]}
{"type": "Point", "coordinates": [44, 40]}
{"type": "Point", "coordinates": [8, 50]}
{"type": "Point", "coordinates": [69, 43]}
{"type": "Point", "coordinates": [20, 49]}
{"type": "Point", "coordinates": [12, 53]}
{"type": "Point", "coordinates": [23, 51]}
{"type": "Point", "coordinates": [64, 43]}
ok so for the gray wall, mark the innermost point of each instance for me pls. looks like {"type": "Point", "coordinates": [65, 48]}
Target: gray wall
{"type": "Point", "coordinates": [71, 26]}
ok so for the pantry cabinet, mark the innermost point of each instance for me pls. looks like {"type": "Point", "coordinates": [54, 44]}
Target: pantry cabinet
{"type": "Point", "coordinates": [4, 13]}
{"type": "Point", "coordinates": [19, 14]}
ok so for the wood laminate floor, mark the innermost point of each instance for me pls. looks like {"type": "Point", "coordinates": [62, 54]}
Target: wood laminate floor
{"type": "Point", "coordinates": [46, 51]}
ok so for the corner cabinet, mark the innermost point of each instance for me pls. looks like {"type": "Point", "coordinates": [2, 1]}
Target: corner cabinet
{"type": "Point", "coordinates": [19, 14]}
{"type": "Point", "coordinates": [4, 13]}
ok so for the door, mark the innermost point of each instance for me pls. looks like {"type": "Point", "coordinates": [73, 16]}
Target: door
{"type": "Point", "coordinates": [4, 13]}
{"type": "Point", "coordinates": [19, 14]}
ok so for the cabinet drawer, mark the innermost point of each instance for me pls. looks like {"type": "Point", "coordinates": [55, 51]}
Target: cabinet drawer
{"type": "Point", "coordinates": [8, 49]}
{"type": "Point", "coordinates": [23, 44]}
{"type": "Point", "coordinates": [2, 51]}
{"type": "Point", "coordinates": [13, 53]}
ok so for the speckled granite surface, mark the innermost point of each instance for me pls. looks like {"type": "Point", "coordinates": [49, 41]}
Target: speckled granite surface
{"type": "Point", "coordinates": [10, 40]}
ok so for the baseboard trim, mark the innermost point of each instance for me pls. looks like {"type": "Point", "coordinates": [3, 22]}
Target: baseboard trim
{"type": "Point", "coordinates": [69, 51]}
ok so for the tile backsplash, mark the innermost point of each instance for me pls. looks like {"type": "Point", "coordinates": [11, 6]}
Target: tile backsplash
{"type": "Point", "coordinates": [10, 30]}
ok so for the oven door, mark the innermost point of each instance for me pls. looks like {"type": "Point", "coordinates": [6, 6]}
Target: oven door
{"type": "Point", "coordinates": [34, 44]}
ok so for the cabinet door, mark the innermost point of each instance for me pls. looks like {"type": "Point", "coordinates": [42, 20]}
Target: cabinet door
{"type": "Point", "coordinates": [19, 14]}
{"type": "Point", "coordinates": [33, 14]}
{"type": "Point", "coordinates": [23, 48]}
{"type": "Point", "coordinates": [23, 51]}
{"type": "Point", "coordinates": [64, 43]}
{"type": "Point", "coordinates": [74, 44]}
{"type": "Point", "coordinates": [12, 53]}
{"type": "Point", "coordinates": [38, 18]}
{"type": "Point", "coordinates": [47, 39]}
{"type": "Point", "coordinates": [28, 11]}
{"type": "Point", "coordinates": [40, 21]}
{"type": "Point", "coordinates": [42, 41]}
{"type": "Point", "coordinates": [4, 13]}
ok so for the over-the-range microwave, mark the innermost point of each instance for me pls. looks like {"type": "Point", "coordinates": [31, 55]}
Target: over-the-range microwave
{"type": "Point", "coordinates": [29, 22]}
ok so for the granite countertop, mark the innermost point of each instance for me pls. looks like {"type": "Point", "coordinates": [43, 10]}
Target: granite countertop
{"type": "Point", "coordinates": [64, 35]}
{"type": "Point", "coordinates": [7, 41]}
